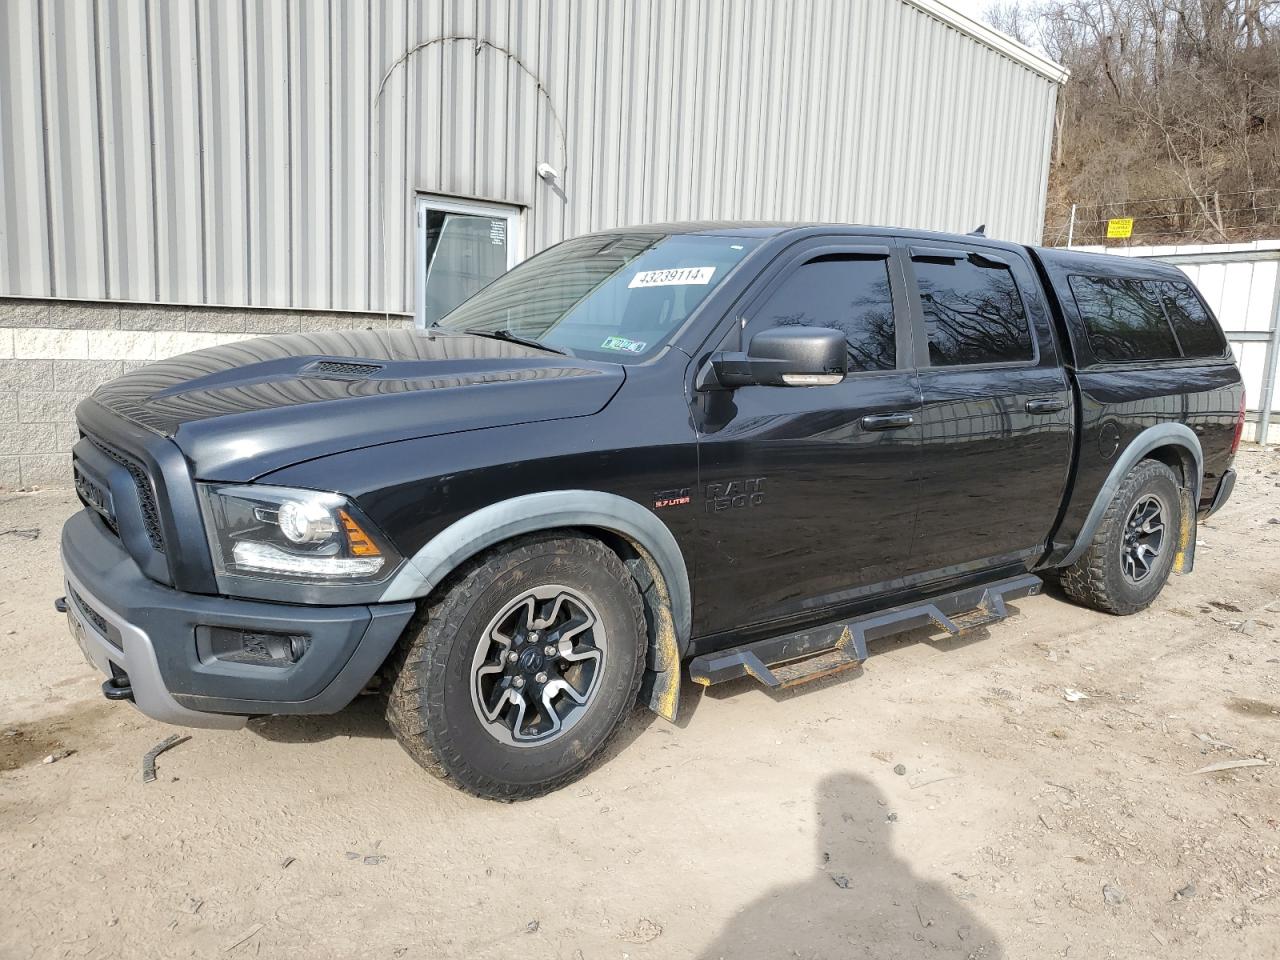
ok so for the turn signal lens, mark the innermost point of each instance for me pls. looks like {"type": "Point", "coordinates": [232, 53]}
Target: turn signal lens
{"type": "Point", "coordinates": [358, 541]}
{"type": "Point", "coordinates": [811, 379]}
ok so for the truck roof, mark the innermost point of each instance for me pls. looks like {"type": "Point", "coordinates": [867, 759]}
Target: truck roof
{"type": "Point", "coordinates": [1056, 260]}
{"type": "Point", "coordinates": [772, 228]}
{"type": "Point", "coordinates": [1060, 262]}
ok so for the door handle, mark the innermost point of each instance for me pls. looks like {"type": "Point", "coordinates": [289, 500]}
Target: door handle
{"type": "Point", "coordinates": [1046, 405]}
{"type": "Point", "coordinates": [886, 421]}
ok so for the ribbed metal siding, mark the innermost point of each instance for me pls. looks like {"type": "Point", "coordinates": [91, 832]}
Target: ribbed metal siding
{"type": "Point", "coordinates": [231, 151]}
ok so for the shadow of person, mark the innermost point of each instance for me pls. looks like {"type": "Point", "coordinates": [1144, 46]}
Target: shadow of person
{"type": "Point", "coordinates": [862, 900]}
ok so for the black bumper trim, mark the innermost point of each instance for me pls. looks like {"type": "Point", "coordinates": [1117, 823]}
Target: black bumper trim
{"type": "Point", "coordinates": [385, 626]}
{"type": "Point", "coordinates": [1222, 494]}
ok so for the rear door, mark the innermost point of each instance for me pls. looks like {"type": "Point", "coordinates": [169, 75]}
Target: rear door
{"type": "Point", "coordinates": [808, 498]}
{"type": "Point", "coordinates": [996, 408]}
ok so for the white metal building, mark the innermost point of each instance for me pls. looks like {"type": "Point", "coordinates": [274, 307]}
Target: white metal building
{"type": "Point", "coordinates": [178, 172]}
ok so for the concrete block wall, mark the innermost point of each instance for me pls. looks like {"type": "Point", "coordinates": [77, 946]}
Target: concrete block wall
{"type": "Point", "coordinates": [53, 353]}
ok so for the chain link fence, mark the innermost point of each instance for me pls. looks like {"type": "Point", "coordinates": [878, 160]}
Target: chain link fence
{"type": "Point", "coordinates": [1195, 218]}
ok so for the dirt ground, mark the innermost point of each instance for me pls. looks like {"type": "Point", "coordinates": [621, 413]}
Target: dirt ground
{"type": "Point", "coordinates": [949, 802]}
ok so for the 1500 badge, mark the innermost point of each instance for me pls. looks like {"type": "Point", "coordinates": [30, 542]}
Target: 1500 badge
{"type": "Point", "coordinates": [732, 494]}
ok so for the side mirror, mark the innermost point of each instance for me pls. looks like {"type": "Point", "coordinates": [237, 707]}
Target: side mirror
{"type": "Point", "coordinates": [781, 357]}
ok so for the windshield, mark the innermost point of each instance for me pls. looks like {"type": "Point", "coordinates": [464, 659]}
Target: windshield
{"type": "Point", "coordinates": [614, 297]}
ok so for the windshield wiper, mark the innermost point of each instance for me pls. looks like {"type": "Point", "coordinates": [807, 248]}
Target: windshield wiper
{"type": "Point", "coordinates": [510, 337]}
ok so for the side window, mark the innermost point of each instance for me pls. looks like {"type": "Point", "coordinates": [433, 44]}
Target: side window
{"type": "Point", "coordinates": [1198, 333]}
{"type": "Point", "coordinates": [973, 312]}
{"type": "Point", "coordinates": [1124, 319]}
{"type": "Point", "coordinates": [845, 292]}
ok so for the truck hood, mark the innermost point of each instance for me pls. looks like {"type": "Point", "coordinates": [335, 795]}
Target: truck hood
{"type": "Point", "coordinates": [244, 409]}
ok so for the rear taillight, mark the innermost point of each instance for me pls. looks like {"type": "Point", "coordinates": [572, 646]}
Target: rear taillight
{"type": "Point", "coordinates": [1235, 441]}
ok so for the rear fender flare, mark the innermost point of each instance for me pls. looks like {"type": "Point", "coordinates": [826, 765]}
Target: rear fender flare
{"type": "Point", "coordinates": [1152, 438]}
{"type": "Point", "coordinates": [551, 510]}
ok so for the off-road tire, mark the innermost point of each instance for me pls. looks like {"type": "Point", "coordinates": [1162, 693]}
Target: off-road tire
{"type": "Point", "coordinates": [429, 703]}
{"type": "Point", "coordinates": [1097, 578]}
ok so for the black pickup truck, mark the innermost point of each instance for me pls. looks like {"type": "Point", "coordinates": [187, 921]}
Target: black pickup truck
{"type": "Point", "coordinates": [699, 451]}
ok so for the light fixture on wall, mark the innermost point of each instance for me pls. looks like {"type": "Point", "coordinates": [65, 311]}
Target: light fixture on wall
{"type": "Point", "coordinates": [548, 173]}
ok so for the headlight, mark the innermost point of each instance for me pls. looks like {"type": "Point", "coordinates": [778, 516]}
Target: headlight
{"type": "Point", "coordinates": [306, 536]}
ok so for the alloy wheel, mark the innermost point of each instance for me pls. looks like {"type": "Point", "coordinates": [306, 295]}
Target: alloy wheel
{"type": "Point", "coordinates": [538, 665]}
{"type": "Point", "coordinates": [1144, 536]}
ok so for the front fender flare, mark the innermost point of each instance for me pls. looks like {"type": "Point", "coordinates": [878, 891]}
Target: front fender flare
{"type": "Point", "coordinates": [1160, 435]}
{"type": "Point", "coordinates": [550, 510]}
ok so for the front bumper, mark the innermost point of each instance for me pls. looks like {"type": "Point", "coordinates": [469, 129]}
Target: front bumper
{"type": "Point", "coordinates": [127, 624]}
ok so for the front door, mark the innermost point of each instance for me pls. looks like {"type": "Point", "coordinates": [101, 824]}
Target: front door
{"type": "Point", "coordinates": [997, 409]}
{"type": "Point", "coordinates": [808, 493]}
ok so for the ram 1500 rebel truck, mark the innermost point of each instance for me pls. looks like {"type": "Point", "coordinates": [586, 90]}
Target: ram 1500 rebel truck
{"type": "Point", "coordinates": [642, 457]}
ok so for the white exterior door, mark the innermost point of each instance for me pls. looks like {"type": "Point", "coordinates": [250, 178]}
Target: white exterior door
{"type": "Point", "coordinates": [462, 246]}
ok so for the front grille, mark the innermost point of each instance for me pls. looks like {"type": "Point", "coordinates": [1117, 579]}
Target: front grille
{"type": "Point", "coordinates": [94, 617]}
{"type": "Point", "coordinates": [146, 496]}
{"type": "Point", "coordinates": [344, 368]}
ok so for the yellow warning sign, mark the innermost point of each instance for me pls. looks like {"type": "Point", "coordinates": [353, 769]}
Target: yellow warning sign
{"type": "Point", "coordinates": [1121, 228]}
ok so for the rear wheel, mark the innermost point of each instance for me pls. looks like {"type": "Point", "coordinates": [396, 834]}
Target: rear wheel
{"type": "Point", "coordinates": [513, 681]}
{"type": "Point", "coordinates": [1132, 552]}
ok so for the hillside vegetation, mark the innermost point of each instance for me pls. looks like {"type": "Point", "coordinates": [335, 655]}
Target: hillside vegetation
{"type": "Point", "coordinates": [1171, 115]}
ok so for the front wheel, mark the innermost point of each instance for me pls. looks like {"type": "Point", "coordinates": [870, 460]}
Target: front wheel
{"type": "Point", "coordinates": [513, 681]}
{"type": "Point", "coordinates": [1132, 552]}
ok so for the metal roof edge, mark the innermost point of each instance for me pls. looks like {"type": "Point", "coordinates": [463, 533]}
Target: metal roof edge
{"type": "Point", "coordinates": [990, 37]}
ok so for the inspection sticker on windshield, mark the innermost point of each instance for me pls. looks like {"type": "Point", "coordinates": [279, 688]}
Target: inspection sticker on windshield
{"type": "Point", "coordinates": [679, 277]}
{"type": "Point", "coordinates": [623, 344]}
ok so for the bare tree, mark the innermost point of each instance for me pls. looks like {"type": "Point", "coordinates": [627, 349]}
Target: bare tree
{"type": "Point", "coordinates": [1012, 18]}
{"type": "Point", "coordinates": [1173, 100]}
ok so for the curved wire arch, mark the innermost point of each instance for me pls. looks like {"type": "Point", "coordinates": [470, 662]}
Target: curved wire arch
{"type": "Point", "coordinates": [376, 133]}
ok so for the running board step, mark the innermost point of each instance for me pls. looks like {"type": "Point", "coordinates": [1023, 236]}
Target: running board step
{"type": "Point", "coordinates": [805, 655]}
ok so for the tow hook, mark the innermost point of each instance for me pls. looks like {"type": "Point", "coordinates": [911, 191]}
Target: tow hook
{"type": "Point", "coordinates": [60, 604]}
{"type": "Point", "coordinates": [117, 688]}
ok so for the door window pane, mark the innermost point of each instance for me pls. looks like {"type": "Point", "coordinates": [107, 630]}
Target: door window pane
{"type": "Point", "coordinates": [1197, 331]}
{"type": "Point", "coordinates": [842, 292]}
{"type": "Point", "coordinates": [973, 312]}
{"type": "Point", "coordinates": [464, 253]}
{"type": "Point", "coordinates": [1124, 319]}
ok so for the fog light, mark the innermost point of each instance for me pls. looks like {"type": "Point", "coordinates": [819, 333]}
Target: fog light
{"type": "Point", "coordinates": [257, 647]}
